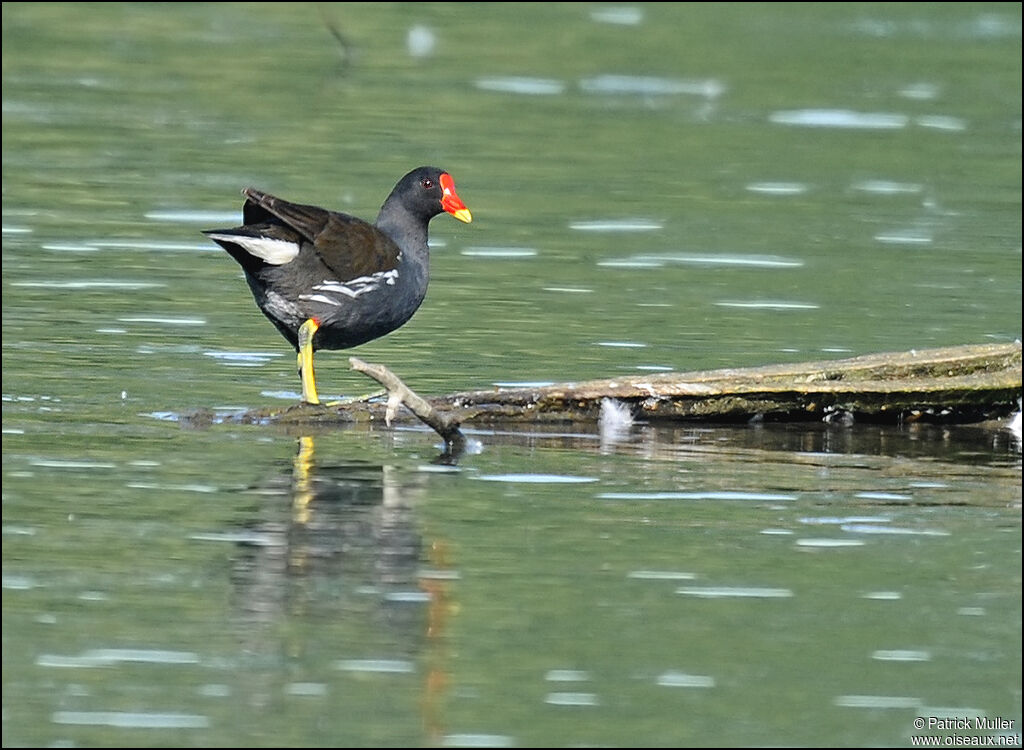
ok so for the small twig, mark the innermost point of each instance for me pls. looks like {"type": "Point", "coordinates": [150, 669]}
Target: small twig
{"type": "Point", "coordinates": [347, 49]}
{"type": "Point", "coordinates": [445, 425]}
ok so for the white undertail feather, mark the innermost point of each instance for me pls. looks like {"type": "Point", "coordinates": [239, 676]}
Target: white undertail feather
{"type": "Point", "coordinates": [274, 252]}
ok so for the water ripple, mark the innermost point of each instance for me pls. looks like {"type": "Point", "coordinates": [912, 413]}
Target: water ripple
{"type": "Point", "coordinates": [863, 528]}
{"type": "Point", "coordinates": [521, 85]}
{"type": "Point", "coordinates": [971, 611]}
{"type": "Point", "coordinates": [662, 575]}
{"type": "Point", "coordinates": [571, 699]}
{"type": "Point", "coordinates": [828, 520]}
{"type": "Point", "coordinates": [769, 305]}
{"type": "Point", "coordinates": [499, 252]}
{"type": "Point", "coordinates": [904, 237]}
{"type": "Point", "coordinates": [941, 122]}
{"type": "Point", "coordinates": [414, 597]}
{"type": "Point", "coordinates": [164, 320]}
{"type": "Point", "coordinates": [876, 701]}
{"type": "Point", "coordinates": [681, 679]}
{"type": "Point", "coordinates": [150, 245]}
{"type": "Point", "coordinates": [920, 91]}
{"type": "Point", "coordinates": [69, 247]}
{"type": "Point", "coordinates": [388, 666]}
{"type": "Point", "coordinates": [58, 464]}
{"type": "Point", "coordinates": [254, 538]}
{"type": "Point", "coordinates": [621, 16]}
{"type": "Point", "coordinates": [194, 216]}
{"type": "Point", "coordinates": [214, 690]}
{"type": "Point", "coordinates": [616, 225]}
{"type": "Point", "coordinates": [886, 596]}
{"type": "Point", "coordinates": [306, 689]}
{"type": "Point", "coordinates": [430, 574]}
{"type": "Point", "coordinates": [567, 675]}
{"type": "Point", "coordinates": [752, 496]}
{"type": "Point", "coordinates": [131, 720]}
{"type": "Point", "coordinates": [823, 542]}
{"type": "Point", "coordinates": [724, 592]}
{"type": "Point", "coordinates": [635, 263]}
{"type": "Point", "coordinates": [651, 86]}
{"type": "Point", "coordinates": [778, 188]}
{"type": "Point", "coordinates": [477, 740]}
{"type": "Point", "coordinates": [17, 583]}
{"type": "Point", "coordinates": [200, 488]}
{"type": "Point", "coordinates": [888, 496]}
{"type": "Point", "coordinates": [243, 359]}
{"type": "Point", "coordinates": [887, 187]}
{"type": "Point", "coordinates": [84, 284]}
{"type": "Point", "coordinates": [535, 478]}
{"type": "Point", "coordinates": [901, 655]}
{"type": "Point", "coordinates": [661, 259]}
{"type": "Point", "coordinates": [839, 118]}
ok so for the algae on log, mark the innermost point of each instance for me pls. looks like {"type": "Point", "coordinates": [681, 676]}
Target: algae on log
{"type": "Point", "coordinates": [953, 384]}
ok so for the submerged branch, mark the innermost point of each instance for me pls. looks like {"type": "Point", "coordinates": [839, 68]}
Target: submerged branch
{"type": "Point", "coordinates": [444, 424]}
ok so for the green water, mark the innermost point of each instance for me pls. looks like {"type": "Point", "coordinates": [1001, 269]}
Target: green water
{"type": "Point", "coordinates": [653, 186]}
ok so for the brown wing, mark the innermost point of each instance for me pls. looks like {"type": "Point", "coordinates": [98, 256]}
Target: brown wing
{"type": "Point", "coordinates": [352, 248]}
{"type": "Point", "coordinates": [349, 247]}
{"type": "Point", "coordinates": [308, 221]}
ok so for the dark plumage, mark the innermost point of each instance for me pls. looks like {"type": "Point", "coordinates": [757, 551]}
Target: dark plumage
{"type": "Point", "coordinates": [328, 280]}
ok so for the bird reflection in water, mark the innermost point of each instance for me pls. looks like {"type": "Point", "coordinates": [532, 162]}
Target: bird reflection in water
{"type": "Point", "coordinates": [346, 552]}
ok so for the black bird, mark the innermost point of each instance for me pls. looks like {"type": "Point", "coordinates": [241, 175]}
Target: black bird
{"type": "Point", "coordinates": [328, 280]}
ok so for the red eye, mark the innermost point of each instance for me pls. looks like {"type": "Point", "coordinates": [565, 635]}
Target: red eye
{"type": "Point", "coordinates": [426, 183]}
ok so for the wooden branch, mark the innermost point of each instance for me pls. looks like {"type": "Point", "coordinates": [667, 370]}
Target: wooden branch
{"type": "Point", "coordinates": [399, 393]}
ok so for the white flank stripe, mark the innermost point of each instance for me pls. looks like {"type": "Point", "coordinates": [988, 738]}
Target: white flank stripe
{"type": "Point", "coordinates": [338, 289]}
{"type": "Point", "coordinates": [352, 288]}
{"type": "Point", "coordinates": [323, 298]}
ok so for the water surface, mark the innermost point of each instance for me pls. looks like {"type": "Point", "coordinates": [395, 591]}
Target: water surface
{"type": "Point", "coordinates": [654, 187]}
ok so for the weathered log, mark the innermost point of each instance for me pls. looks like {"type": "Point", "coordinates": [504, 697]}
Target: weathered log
{"type": "Point", "coordinates": [954, 384]}
{"type": "Point", "coordinates": [967, 383]}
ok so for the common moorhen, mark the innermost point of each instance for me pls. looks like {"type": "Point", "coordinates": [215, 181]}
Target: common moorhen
{"type": "Point", "coordinates": [328, 280]}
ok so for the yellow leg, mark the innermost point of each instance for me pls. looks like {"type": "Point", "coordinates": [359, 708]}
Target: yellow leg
{"type": "Point", "coordinates": [306, 331]}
